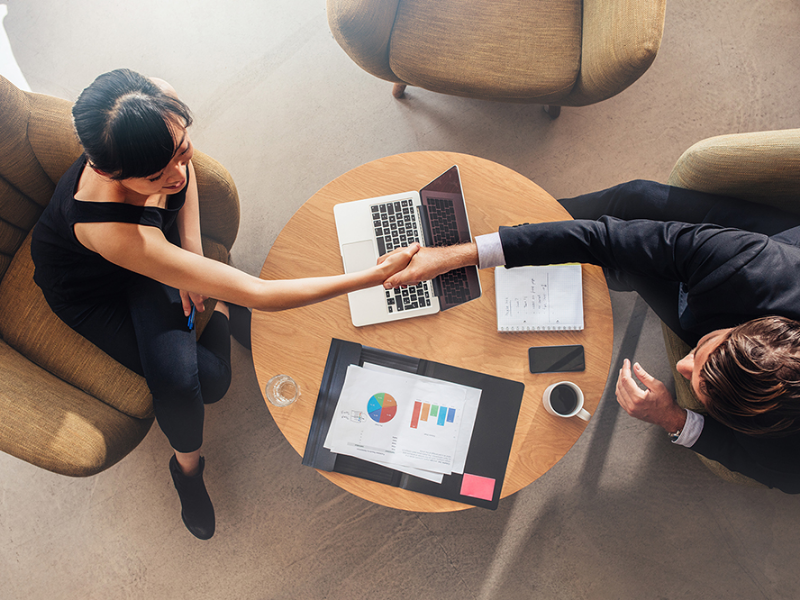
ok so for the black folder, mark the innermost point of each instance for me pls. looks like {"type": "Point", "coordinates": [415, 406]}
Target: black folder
{"type": "Point", "coordinates": [489, 449]}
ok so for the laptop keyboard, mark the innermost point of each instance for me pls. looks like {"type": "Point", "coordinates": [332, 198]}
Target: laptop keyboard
{"type": "Point", "coordinates": [395, 227]}
{"type": "Point", "coordinates": [455, 286]}
{"type": "Point", "coordinates": [442, 217]}
{"type": "Point", "coordinates": [407, 298]}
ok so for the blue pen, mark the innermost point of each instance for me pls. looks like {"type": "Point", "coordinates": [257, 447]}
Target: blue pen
{"type": "Point", "coordinates": [191, 318]}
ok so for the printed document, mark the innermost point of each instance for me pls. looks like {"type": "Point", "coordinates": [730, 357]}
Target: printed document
{"type": "Point", "coordinates": [471, 402]}
{"type": "Point", "coordinates": [403, 421]}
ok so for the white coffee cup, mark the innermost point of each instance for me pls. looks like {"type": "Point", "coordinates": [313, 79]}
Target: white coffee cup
{"type": "Point", "coordinates": [565, 399]}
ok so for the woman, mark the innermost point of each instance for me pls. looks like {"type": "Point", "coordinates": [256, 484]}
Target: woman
{"type": "Point", "coordinates": [119, 258]}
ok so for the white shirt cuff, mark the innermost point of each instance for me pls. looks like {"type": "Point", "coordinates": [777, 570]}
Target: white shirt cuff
{"type": "Point", "coordinates": [692, 430]}
{"type": "Point", "coordinates": [490, 250]}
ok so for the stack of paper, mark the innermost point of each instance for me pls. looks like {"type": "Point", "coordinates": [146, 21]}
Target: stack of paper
{"type": "Point", "coordinates": [410, 423]}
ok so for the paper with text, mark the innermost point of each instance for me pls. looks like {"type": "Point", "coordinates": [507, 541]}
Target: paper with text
{"type": "Point", "coordinates": [539, 298]}
{"type": "Point", "coordinates": [471, 402]}
{"type": "Point", "coordinates": [397, 419]}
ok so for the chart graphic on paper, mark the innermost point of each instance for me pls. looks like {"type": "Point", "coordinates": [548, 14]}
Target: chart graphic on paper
{"type": "Point", "coordinates": [431, 413]}
{"type": "Point", "coordinates": [382, 408]}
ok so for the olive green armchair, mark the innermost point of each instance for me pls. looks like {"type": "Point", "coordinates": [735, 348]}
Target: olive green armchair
{"type": "Point", "coordinates": [65, 405]}
{"type": "Point", "coordinates": [762, 167]}
{"type": "Point", "coordinates": [552, 52]}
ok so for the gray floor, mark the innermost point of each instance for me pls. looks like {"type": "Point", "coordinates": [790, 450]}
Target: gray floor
{"type": "Point", "coordinates": [623, 515]}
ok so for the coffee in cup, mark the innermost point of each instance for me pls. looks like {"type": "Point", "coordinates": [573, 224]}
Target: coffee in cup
{"type": "Point", "coordinates": [565, 399]}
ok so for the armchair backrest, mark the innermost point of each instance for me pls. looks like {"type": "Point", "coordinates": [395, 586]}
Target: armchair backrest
{"type": "Point", "coordinates": [563, 52]}
{"type": "Point", "coordinates": [37, 145]}
{"type": "Point", "coordinates": [761, 167]}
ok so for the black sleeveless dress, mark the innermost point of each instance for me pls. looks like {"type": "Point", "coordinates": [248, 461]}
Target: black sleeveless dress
{"type": "Point", "coordinates": [71, 274]}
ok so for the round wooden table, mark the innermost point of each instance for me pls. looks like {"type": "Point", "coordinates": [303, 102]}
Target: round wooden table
{"type": "Point", "coordinates": [296, 342]}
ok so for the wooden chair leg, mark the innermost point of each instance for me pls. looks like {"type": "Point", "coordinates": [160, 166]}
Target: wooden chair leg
{"type": "Point", "coordinates": [399, 90]}
{"type": "Point", "coordinates": [552, 111]}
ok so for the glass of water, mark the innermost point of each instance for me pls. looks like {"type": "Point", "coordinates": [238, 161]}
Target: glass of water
{"type": "Point", "coordinates": [282, 390]}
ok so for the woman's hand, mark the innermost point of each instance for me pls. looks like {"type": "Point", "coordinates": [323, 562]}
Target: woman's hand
{"type": "Point", "coordinates": [427, 263]}
{"type": "Point", "coordinates": [396, 260]}
{"type": "Point", "coordinates": [188, 299]}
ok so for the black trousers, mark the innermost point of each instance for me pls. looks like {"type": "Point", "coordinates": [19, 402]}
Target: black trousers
{"type": "Point", "coordinates": [653, 201]}
{"type": "Point", "coordinates": [144, 329]}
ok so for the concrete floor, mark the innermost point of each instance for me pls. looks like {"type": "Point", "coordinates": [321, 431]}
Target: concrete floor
{"type": "Point", "coordinates": [624, 515]}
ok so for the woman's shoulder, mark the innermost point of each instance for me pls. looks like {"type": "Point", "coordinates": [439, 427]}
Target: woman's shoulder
{"type": "Point", "coordinates": [67, 185]}
{"type": "Point", "coordinates": [63, 195]}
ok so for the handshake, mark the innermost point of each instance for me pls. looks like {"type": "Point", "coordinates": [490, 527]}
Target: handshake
{"type": "Point", "coordinates": [426, 263]}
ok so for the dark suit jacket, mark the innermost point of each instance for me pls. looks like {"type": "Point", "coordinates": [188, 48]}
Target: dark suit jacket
{"type": "Point", "coordinates": [728, 276]}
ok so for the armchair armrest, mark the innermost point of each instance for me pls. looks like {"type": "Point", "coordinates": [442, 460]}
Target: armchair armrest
{"type": "Point", "coordinates": [363, 29]}
{"type": "Point", "coordinates": [219, 200]}
{"type": "Point", "coordinates": [54, 425]}
{"type": "Point", "coordinates": [620, 41]}
{"type": "Point", "coordinates": [219, 217]}
{"type": "Point", "coordinates": [760, 167]}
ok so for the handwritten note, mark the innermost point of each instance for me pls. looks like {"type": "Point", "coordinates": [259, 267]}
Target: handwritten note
{"type": "Point", "coordinates": [539, 298]}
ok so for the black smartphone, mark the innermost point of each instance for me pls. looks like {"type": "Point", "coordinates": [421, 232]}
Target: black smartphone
{"type": "Point", "coordinates": [556, 359]}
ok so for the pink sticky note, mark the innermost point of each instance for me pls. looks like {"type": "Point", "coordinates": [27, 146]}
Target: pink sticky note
{"type": "Point", "coordinates": [476, 486]}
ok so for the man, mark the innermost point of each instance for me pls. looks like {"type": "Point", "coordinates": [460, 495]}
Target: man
{"type": "Point", "coordinates": [721, 273]}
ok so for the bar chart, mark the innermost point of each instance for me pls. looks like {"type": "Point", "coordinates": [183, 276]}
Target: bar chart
{"type": "Point", "coordinates": [431, 413]}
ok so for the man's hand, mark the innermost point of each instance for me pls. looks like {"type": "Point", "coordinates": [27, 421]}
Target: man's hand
{"type": "Point", "coordinates": [654, 404]}
{"type": "Point", "coordinates": [430, 262]}
{"type": "Point", "coordinates": [397, 260]}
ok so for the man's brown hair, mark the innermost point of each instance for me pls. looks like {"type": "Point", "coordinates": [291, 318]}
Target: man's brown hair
{"type": "Point", "coordinates": [752, 379]}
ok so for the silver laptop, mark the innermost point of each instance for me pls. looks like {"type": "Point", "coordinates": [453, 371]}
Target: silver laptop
{"type": "Point", "coordinates": [434, 216]}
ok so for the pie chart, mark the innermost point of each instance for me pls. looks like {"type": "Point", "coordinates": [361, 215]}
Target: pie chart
{"type": "Point", "coordinates": [381, 408]}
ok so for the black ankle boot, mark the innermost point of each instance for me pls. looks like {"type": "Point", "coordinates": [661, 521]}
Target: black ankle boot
{"type": "Point", "coordinates": [197, 511]}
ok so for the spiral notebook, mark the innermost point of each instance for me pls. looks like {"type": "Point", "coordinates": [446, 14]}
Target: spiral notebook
{"type": "Point", "coordinates": [547, 298]}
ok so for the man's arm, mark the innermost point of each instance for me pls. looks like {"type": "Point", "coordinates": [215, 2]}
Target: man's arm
{"type": "Point", "coordinates": [673, 251]}
{"type": "Point", "coordinates": [667, 250]}
{"type": "Point", "coordinates": [430, 262]}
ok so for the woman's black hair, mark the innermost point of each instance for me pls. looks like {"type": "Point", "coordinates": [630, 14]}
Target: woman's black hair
{"type": "Point", "coordinates": [124, 120]}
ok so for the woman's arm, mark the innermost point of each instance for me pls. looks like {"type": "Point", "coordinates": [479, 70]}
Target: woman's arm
{"type": "Point", "coordinates": [144, 250]}
{"type": "Point", "coordinates": [191, 239]}
{"type": "Point", "coordinates": [189, 216]}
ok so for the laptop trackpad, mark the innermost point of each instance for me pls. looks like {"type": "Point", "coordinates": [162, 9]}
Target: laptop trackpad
{"type": "Point", "coordinates": [358, 256]}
